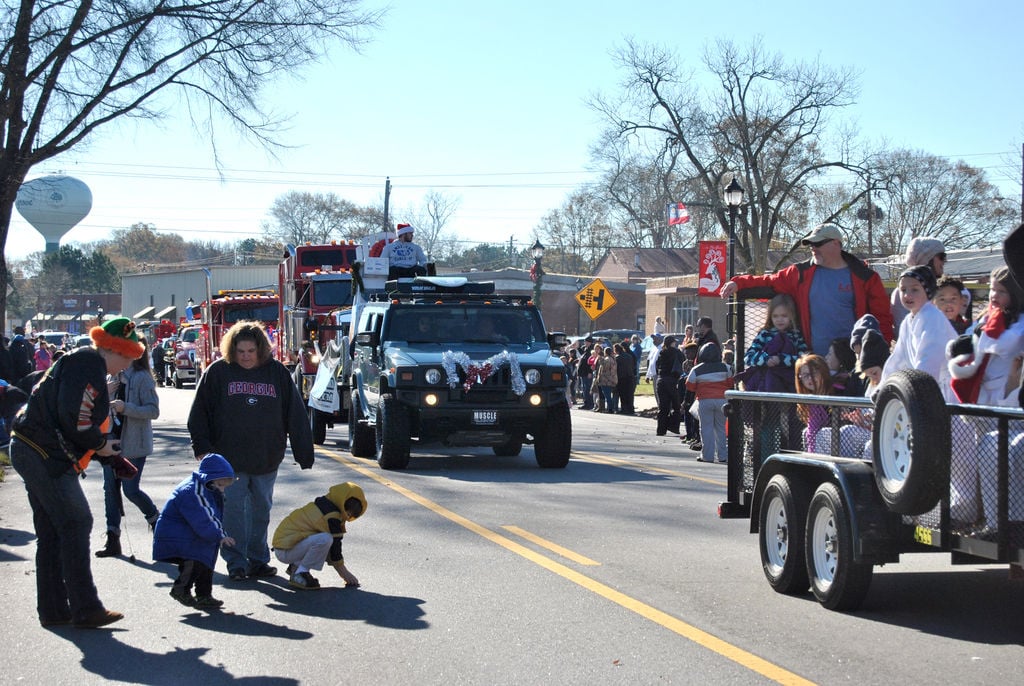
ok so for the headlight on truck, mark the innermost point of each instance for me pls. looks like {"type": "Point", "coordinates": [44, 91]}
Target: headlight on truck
{"type": "Point", "coordinates": [433, 376]}
{"type": "Point", "coordinates": [533, 376]}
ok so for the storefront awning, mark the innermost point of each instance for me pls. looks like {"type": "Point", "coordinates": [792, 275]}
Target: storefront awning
{"type": "Point", "coordinates": [145, 313]}
{"type": "Point", "coordinates": [167, 313]}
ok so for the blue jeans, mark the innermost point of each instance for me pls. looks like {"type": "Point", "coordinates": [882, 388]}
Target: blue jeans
{"type": "Point", "coordinates": [63, 522]}
{"type": "Point", "coordinates": [112, 505]}
{"type": "Point", "coordinates": [247, 505]}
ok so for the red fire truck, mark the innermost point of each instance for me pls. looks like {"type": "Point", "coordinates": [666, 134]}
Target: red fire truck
{"type": "Point", "coordinates": [227, 307]}
{"type": "Point", "coordinates": [313, 280]}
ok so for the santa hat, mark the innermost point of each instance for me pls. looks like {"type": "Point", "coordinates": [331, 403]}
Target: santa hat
{"type": "Point", "coordinates": [404, 229]}
{"type": "Point", "coordinates": [118, 335]}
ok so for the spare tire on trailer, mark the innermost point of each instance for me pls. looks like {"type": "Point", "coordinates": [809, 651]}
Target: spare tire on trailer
{"type": "Point", "coordinates": [911, 442]}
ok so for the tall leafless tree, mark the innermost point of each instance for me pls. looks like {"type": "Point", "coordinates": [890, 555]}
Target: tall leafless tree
{"type": "Point", "coordinates": [927, 195]}
{"type": "Point", "coordinates": [298, 217]}
{"type": "Point", "coordinates": [430, 218]}
{"type": "Point", "coordinates": [71, 68]}
{"type": "Point", "coordinates": [764, 120]}
{"type": "Point", "coordinates": [577, 233]}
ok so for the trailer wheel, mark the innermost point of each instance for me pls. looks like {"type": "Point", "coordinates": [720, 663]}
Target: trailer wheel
{"type": "Point", "coordinates": [553, 444]}
{"type": "Point", "coordinates": [361, 439]}
{"type": "Point", "coordinates": [509, 448]}
{"type": "Point", "coordinates": [781, 525]}
{"type": "Point", "coordinates": [392, 434]}
{"type": "Point", "coordinates": [837, 581]}
{"type": "Point", "coordinates": [318, 425]}
{"type": "Point", "coordinates": [911, 441]}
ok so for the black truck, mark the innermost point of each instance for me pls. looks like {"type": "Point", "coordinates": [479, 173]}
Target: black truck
{"type": "Point", "coordinates": [446, 360]}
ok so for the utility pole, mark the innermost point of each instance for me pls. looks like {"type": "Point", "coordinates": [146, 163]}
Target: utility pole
{"type": "Point", "coordinates": [871, 211]}
{"type": "Point", "coordinates": [387, 201]}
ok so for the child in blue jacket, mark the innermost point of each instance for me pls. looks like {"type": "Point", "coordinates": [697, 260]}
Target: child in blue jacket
{"type": "Point", "coordinates": [189, 531]}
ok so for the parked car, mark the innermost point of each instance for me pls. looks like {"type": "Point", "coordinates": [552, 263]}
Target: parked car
{"type": "Point", "coordinates": [614, 336]}
{"type": "Point", "coordinates": [57, 338]}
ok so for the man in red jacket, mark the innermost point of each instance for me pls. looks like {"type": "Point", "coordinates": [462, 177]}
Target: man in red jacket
{"type": "Point", "coordinates": [832, 290]}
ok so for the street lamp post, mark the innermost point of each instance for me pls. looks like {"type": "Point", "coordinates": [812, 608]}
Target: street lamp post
{"type": "Point", "coordinates": [733, 198]}
{"type": "Point", "coordinates": [537, 273]}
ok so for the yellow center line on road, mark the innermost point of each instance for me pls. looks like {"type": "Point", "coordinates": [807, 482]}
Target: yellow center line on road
{"type": "Point", "coordinates": [616, 462]}
{"type": "Point", "coordinates": [702, 638]}
{"type": "Point", "coordinates": [553, 547]}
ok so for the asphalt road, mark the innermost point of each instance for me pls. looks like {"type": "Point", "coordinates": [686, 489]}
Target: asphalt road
{"type": "Point", "coordinates": [484, 570]}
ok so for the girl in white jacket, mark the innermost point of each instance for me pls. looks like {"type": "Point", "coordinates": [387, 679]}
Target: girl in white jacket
{"type": "Point", "coordinates": [986, 371]}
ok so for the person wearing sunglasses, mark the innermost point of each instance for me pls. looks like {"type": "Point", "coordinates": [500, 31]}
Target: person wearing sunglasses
{"type": "Point", "coordinates": [923, 251]}
{"type": "Point", "coordinates": [832, 290]}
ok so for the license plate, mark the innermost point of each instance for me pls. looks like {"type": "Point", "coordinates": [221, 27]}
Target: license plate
{"type": "Point", "coordinates": [485, 417]}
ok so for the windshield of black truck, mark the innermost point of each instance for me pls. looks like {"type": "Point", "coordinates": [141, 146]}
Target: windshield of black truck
{"type": "Point", "coordinates": [466, 324]}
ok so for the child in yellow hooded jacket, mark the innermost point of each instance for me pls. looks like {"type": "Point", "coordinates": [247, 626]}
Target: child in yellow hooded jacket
{"type": "Point", "coordinates": [311, 535]}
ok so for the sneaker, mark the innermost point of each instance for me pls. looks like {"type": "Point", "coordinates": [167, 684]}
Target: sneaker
{"type": "Point", "coordinates": [304, 581]}
{"type": "Point", "coordinates": [263, 571]}
{"type": "Point", "coordinates": [696, 446]}
{"type": "Point", "coordinates": [237, 575]}
{"type": "Point", "coordinates": [208, 602]}
{"type": "Point", "coordinates": [98, 618]}
{"type": "Point", "coordinates": [183, 596]}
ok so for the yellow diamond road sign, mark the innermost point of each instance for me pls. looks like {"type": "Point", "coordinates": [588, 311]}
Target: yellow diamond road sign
{"type": "Point", "coordinates": [595, 299]}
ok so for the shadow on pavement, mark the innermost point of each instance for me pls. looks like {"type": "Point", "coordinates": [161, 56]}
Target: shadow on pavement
{"type": "Point", "coordinates": [112, 660]}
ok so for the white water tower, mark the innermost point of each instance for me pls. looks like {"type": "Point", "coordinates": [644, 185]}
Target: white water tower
{"type": "Point", "coordinates": [53, 205]}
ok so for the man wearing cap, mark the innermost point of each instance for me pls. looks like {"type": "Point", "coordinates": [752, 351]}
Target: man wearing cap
{"type": "Point", "coordinates": [52, 440]}
{"type": "Point", "coordinates": [405, 258]}
{"type": "Point", "coordinates": [832, 290]}
{"type": "Point", "coordinates": [921, 251]}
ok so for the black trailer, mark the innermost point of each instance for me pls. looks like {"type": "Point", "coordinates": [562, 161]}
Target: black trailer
{"type": "Point", "coordinates": [926, 477]}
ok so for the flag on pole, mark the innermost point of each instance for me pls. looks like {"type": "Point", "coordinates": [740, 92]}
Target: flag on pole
{"type": "Point", "coordinates": [677, 213]}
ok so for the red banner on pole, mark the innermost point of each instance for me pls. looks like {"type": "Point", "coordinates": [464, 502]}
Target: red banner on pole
{"type": "Point", "coordinates": [711, 272]}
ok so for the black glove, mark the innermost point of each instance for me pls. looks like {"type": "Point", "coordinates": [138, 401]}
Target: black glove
{"type": "Point", "coordinates": [963, 345]}
{"type": "Point", "coordinates": [123, 469]}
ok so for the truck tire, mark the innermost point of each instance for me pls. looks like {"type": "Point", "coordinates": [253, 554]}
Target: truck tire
{"type": "Point", "coordinates": [781, 525]}
{"type": "Point", "coordinates": [553, 444]}
{"type": "Point", "coordinates": [318, 425]}
{"type": "Point", "coordinates": [509, 448]}
{"type": "Point", "coordinates": [911, 443]}
{"type": "Point", "coordinates": [177, 381]}
{"type": "Point", "coordinates": [837, 581]}
{"type": "Point", "coordinates": [361, 439]}
{"type": "Point", "coordinates": [392, 434]}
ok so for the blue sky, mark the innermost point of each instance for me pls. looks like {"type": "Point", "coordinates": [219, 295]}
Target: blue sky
{"type": "Point", "coordinates": [487, 102]}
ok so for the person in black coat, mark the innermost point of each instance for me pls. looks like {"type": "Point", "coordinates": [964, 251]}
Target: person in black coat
{"type": "Point", "coordinates": [669, 366]}
{"type": "Point", "coordinates": [21, 356]}
{"type": "Point", "coordinates": [625, 369]}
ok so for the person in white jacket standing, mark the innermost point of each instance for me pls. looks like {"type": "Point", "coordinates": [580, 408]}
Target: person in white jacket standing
{"type": "Point", "coordinates": [134, 407]}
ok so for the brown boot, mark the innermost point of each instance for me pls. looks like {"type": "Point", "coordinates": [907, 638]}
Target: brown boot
{"type": "Point", "coordinates": [113, 546]}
